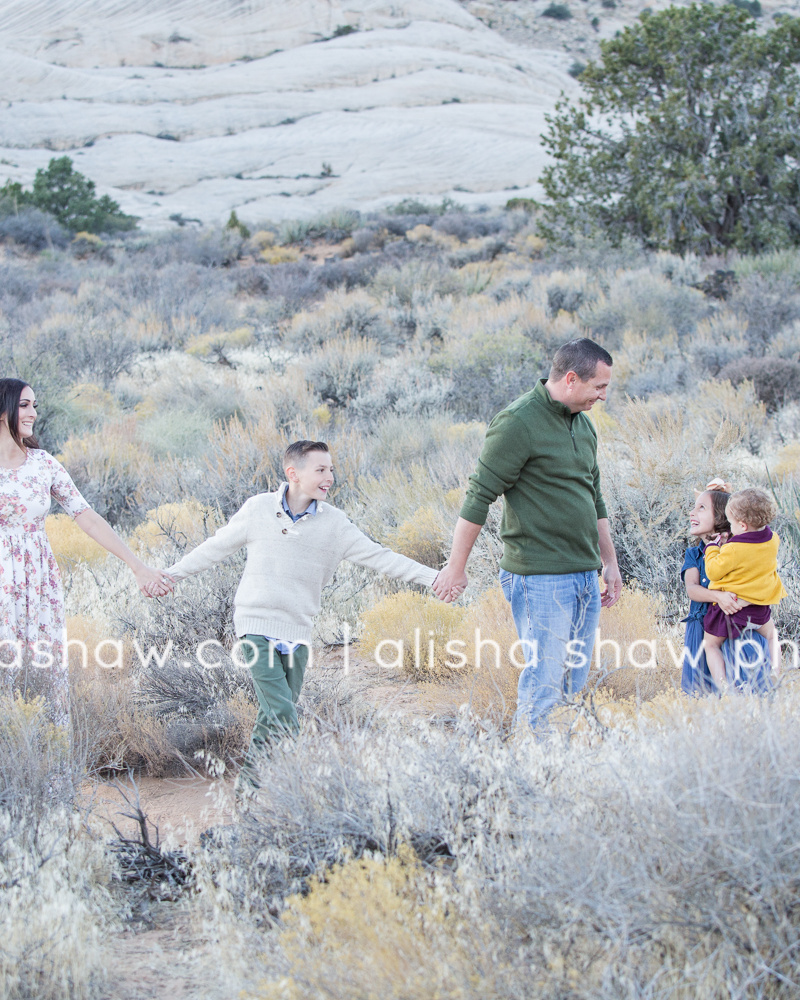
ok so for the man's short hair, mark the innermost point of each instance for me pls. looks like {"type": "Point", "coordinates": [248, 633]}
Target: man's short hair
{"type": "Point", "coordinates": [755, 507]}
{"type": "Point", "coordinates": [298, 451]}
{"type": "Point", "coordinates": [580, 356]}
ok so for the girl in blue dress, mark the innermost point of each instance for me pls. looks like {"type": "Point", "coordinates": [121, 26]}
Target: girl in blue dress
{"type": "Point", "coordinates": [706, 520]}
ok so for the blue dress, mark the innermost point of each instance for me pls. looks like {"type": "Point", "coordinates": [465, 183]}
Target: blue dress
{"type": "Point", "coordinates": [753, 671]}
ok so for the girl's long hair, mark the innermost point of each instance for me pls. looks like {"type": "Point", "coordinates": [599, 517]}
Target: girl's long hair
{"type": "Point", "coordinates": [719, 501]}
{"type": "Point", "coordinates": [10, 392]}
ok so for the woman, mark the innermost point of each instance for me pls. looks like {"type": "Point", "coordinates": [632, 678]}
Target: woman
{"type": "Point", "coordinates": [31, 599]}
{"type": "Point", "coordinates": [747, 661]}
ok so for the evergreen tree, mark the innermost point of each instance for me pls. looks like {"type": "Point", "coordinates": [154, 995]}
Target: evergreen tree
{"type": "Point", "coordinates": [687, 136]}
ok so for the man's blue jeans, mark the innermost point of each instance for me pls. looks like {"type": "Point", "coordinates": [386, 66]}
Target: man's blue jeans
{"type": "Point", "coordinates": [557, 617]}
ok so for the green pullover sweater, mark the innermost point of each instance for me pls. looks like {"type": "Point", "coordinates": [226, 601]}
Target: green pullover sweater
{"type": "Point", "coordinates": [543, 460]}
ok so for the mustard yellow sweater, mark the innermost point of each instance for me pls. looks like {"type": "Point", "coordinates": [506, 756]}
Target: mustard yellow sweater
{"type": "Point", "coordinates": [747, 566]}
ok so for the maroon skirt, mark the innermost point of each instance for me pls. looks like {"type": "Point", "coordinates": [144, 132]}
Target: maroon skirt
{"type": "Point", "coordinates": [716, 622]}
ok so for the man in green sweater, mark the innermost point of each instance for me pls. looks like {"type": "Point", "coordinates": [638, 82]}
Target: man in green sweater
{"type": "Point", "coordinates": [540, 454]}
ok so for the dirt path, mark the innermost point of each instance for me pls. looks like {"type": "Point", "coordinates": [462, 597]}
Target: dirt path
{"type": "Point", "coordinates": [181, 808]}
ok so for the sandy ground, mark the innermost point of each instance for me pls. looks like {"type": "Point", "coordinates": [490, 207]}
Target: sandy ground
{"type": "Point", "coordinates": [180, 808]}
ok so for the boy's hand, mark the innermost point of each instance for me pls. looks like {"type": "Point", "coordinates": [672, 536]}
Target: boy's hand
{"type": "Point", "coordinates": [449, 584]}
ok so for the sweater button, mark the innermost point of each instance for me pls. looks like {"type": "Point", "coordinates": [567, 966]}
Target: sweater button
{"type": "Point", "coordinates": [278, 513]}
{"type": "Point", "coordinates": [285, 531]}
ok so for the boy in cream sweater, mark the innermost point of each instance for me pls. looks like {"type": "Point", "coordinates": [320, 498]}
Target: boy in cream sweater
{"type": "Point", "coordinates": [295, 540]}
{"type": "Point", "coordinates": [745, 564]}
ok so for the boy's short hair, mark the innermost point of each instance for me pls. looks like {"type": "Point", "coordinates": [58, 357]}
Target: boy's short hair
{"type": "Point", "coordinates": [755, 507]}
{"type": "Point", "coordinates": [298, 451]}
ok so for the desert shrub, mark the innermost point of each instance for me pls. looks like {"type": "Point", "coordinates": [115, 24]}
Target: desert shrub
{"type": "Point", "coordinates": [777, 264]}
{"type": "Point", "coordinates": [279, 255]}
{"type": "Point", "coordinates": [371, 237]}
{"type": "Point", "coordinates": [70, 544]}
{"type": "Point", "coordinates": [215, 394]}
{"type": "Point", "coordinates": [788, 461]}
{"type": "Point", "coordinates": [401, 387]}
{"type": "Point", "coordinates": [411, 631]}
{"type": "Point", "coordinates": [646, 365]}
{"type": "Point", "coordinates": [333, 226]}
{"type": "Point", "coordinates": [182, 432]}
{"type": "Point", "coordinates": [34, 230]}
{"type": "Point", "coordinates": [170, 704]}
{"type": "Point", "coordinates": [174, 527]}
{"type": "Point", "coordinates": [468, 225]}
{"type": "Point", "coordinates": [648, 480]}
{"type": "Point", "coordinates": [395, 908]}
{"type": "Point", "coordinates": [558, 11]}
{"type": "Point", "coordinates": [210, 249]}
{"type": "Point", "coordinates": [568, 291]}
{"type": "Point", "coordinates": [718, 410]}
{"type": "Point", "coordinates": [636, 626]}
{"type": "Point", "coordinates": [108, 467]}
{"type": "Point", "coordinates": [768, 302]}
{"type": "Point", "coordinates": [339, 371]}
{"type": "Point", "coordinates": [425, 536]}
{"type": "Point", "coordinates": [242, 458]}
{"type": "Point", "coordinates": [642, 301]}
{"type": "Point", "coordinates": [54, 895]}
{"type": "Point", "coordinates": [86, 341]}
{"type": "Point", "coordinates": [399, 223]}
{"type": "Point", "coordinates": [341, 315]}
{"type": "Point", "coordinates": [670, 816]}
{"type": "Point", "coordinates": [57, 912]}
{"type": "Point", "coordinates": [215, 345]}
{"type": "Point", "coordinates": [719, 340]}
{"type": "Point", "coordinates": [415, 281]}
{"type": "Point", "coordinates": [488, 682]}
{"type": "Point", "coordinates": [776, 381]}
{"type": "Point", "coordinates": [490, 374]}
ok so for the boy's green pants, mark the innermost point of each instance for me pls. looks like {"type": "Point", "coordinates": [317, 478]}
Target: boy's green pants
{"type": "Point", "coordinates": [277, 678]}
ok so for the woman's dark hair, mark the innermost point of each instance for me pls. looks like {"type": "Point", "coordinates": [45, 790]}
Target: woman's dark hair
{"type": "Point", "coordinates": [10, 391]}
{"type": "Point", "coordinates": [719, 501]}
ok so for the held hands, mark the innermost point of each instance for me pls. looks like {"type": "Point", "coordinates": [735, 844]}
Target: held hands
{"type": "Point", "coordinates": [613, 582]}
{"type": "Point", "coordinates": [153, 582]}
{"type": "Point", "coordinates": [449, 584]}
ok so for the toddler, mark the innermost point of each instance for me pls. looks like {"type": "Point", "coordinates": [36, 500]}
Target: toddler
{"type": "Point", "coordinates": [744, 563]}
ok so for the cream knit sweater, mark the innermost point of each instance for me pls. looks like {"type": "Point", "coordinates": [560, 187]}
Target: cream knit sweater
{"type": "Point", "coordinates": [288, 564]}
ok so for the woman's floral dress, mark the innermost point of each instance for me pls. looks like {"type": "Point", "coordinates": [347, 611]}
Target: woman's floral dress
{"type": "Point", "coordinates": [31, 599]}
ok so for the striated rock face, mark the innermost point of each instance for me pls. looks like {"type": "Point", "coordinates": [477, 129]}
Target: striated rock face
{"type": "Point", "coordinates": [277, 108]}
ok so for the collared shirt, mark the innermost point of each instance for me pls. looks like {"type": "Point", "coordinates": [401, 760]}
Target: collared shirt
{"type": "Point", "coordinates": [287, 647]}
{"type": "Point", "coordinates": [311, 509]}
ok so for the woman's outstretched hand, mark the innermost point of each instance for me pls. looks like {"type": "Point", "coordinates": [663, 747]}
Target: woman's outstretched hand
{"type": "Point", "coordinates": [153, 582]}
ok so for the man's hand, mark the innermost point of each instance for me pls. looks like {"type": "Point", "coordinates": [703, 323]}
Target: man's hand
{"type": "Point", "coordinates": [613, 582]}
{"type": "Point", "coordinates": [449, 584]}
